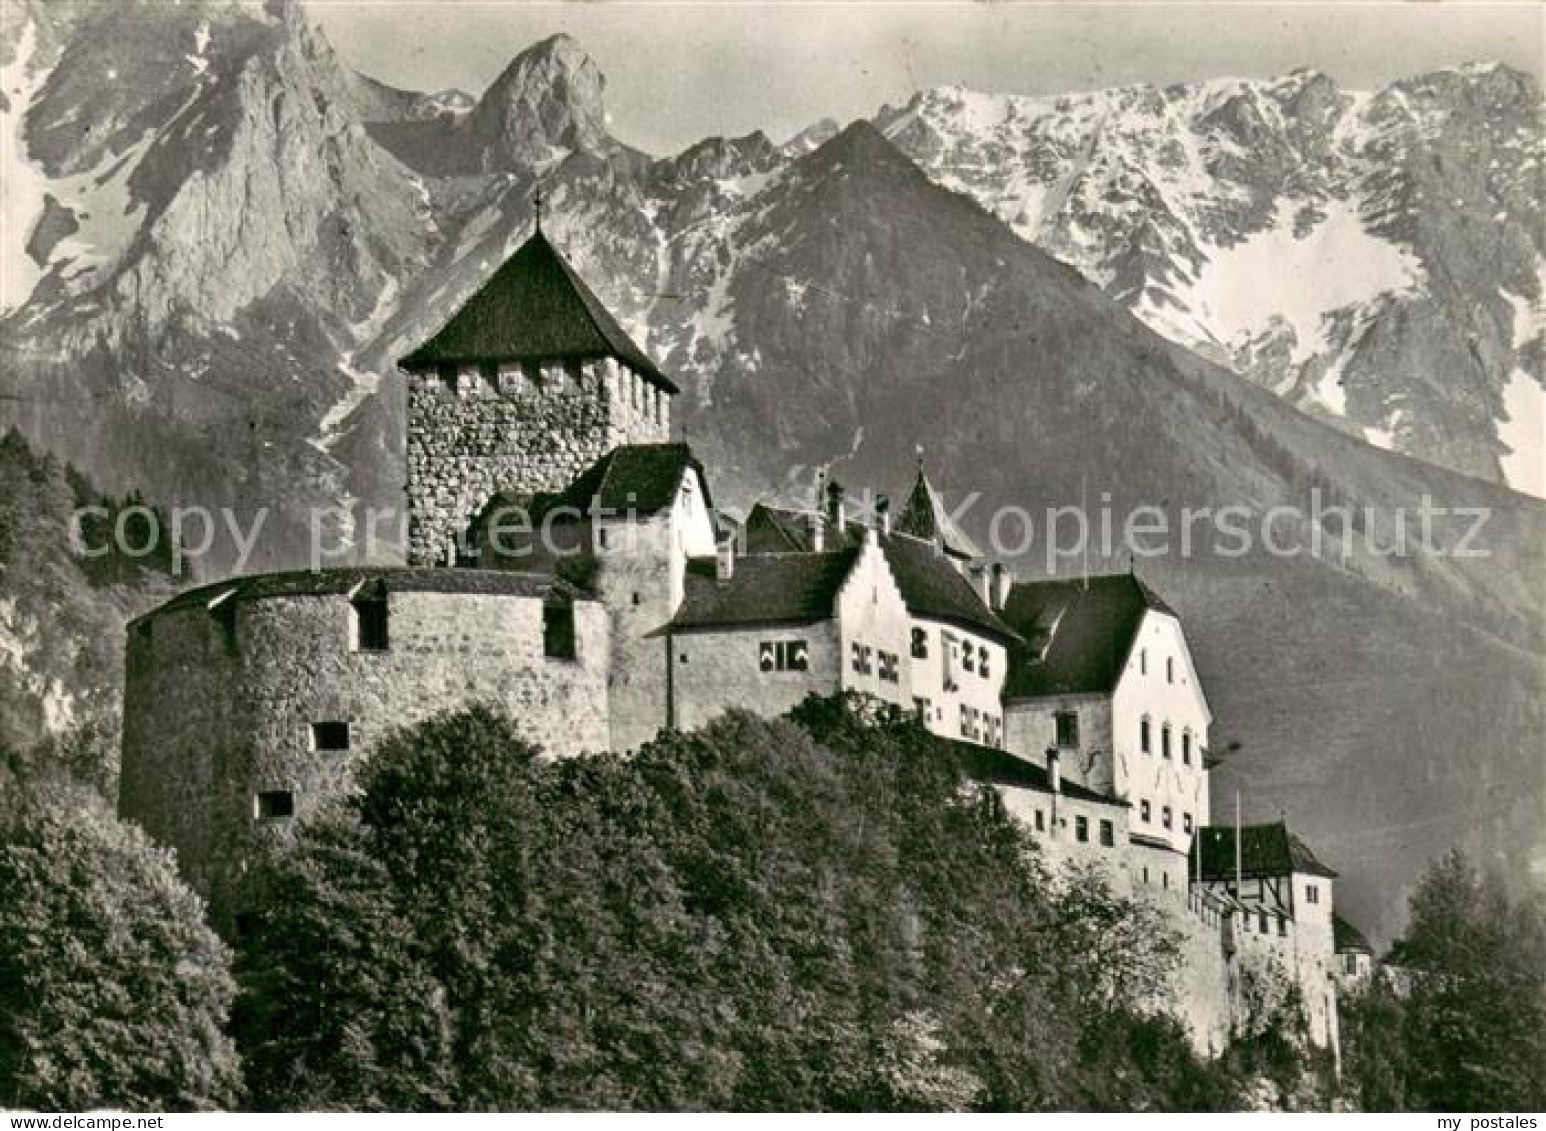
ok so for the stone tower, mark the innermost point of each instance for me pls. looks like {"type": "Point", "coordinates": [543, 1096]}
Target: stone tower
{"type": "Point", "coordinates": [529, 383]}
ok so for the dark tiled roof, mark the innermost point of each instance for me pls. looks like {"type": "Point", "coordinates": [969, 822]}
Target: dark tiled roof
{"type": "Point", "coordinates": [932, 587]}
{"type": "Point", "coordinates": [637, 478]}
{"type": "Point", "coordinates": [509, 534]}
{"type": "Point", "coordinates": [930, 584]}
{"type": "Point", "coordinates": [778, 530]}
{"type": "Point", "coordinates": [1078, 634]}
{"type": "Point", "coordinates": [1345, 936]}
{"type": "Point", "coordinates": [764, 589]}
{"type": "Point", "coordinates": [1265, 850]}
{"type": "Point", "coordinates": [534, 308]}
{"type": "Point", "coordinates": [925, 516]}
{"type": "Point", "coordinates": [999, 767]}
{"type": "Point", "coordinates": [327, 582]}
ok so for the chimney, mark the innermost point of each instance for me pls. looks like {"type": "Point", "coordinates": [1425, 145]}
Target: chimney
{"type": "Point", "coordinates": [724, 560]}
{"type": "Point", "coordinates": [837, 509]}
{"type": "Point", "coordinates": [1054, 770]}
{"type": "Point", "coordinates": [1003, 582]}
{"type": "Point", "coordinates": [818, 533]}
{"type": "Point", "coordinates": [883, 513]}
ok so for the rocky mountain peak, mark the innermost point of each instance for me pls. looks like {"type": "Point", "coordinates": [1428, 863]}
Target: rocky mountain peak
{"type": "Point", "coordinates": [548, 100]}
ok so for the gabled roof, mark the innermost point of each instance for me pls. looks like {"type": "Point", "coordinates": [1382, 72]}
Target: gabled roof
{"type": "Point", "coordinates": [1265, 851]}
{"type": "Point", "coordinates": [999, 767]}
{"type": "Point", "coordinates": [638, 479]}
{"type": "Point", "coordinates": [933, 587]}
{"type": "Point", "coordinates": [926, 517]}
{"type": "Point", "coordinates": [780, 530]}
{"type": "Point", "coordinates": [1347, 937]}
{"type": "Point", "coordinates": [764, 589]}
{"type": "Point", "coordinates": [1078, 633]}
{"type": "Point", "coordinates": [534, 308]}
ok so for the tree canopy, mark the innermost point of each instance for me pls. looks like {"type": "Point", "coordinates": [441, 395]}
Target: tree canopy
{"type": "Point", "coordinates": [803, 914]}
{"type": "Point", "coordinates": [113, 989]}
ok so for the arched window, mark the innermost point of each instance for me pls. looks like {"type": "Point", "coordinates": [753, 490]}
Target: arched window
{"type": "Point", "coordinates": [1170, 669]}
{"type": "Point", "coordinates": [1186, 747]}
{"type": "Point", "coordinates": [1165, 740]}
{"type": "Point", "coordinates": [1144, 741]}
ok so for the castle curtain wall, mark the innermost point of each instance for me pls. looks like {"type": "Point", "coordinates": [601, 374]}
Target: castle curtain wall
{"type": "Point", "coordinates": [215, 716]}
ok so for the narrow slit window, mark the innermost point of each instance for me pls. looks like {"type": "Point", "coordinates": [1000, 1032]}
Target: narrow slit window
{"type": "Point", "coordinates": [224, 616]}
{"type": "Point", "coordinates": [558, 632]}
{"type": "Point", "coordinates": [371, 627]}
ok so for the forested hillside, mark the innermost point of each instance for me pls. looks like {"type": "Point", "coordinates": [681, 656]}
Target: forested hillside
{"type": "Point", "coordinates": [763, 915]}
{"type": "Point", "coordinates": [63, 607]}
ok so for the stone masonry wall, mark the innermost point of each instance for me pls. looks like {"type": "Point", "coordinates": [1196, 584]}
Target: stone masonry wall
{"type": "Point", "coordinates": [520, 427]}
{"type": "Point", "coordinates": [206, 727]}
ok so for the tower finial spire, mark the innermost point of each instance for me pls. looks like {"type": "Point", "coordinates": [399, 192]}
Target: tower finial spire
{"type": "Point", "coordinates": [918, 451]}
{"type": "Point", "coordinates": [536, 201]}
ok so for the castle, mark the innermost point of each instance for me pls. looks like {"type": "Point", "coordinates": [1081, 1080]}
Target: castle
{"type": "Point", "coordinates": [567, 563]}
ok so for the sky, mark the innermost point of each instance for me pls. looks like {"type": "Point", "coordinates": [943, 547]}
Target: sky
{"type": "Point", "coordinates": [677, 73]}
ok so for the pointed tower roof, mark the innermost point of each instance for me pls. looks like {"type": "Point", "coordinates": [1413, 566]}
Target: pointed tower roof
{"type": "Point", "coordinates": [534, 308]}
{"type": "Point", "coordinates": [925, 517]}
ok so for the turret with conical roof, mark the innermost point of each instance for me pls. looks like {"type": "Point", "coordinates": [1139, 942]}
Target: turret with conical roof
{"type": "Point", "coordinates": [530, 382]}
{"type": "Point", "coordinates": [925, 516]}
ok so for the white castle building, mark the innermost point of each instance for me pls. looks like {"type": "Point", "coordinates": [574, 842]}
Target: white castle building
{"type": "Point", "coordinates": [570, 567]}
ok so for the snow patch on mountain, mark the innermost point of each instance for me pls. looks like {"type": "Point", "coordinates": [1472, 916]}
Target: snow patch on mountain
{"type": "Point", "coordinates": [1523, 431]}
{"type": "Point", "coordinates": [1241, 288]}
{"type": "Point", "coordinates": [1522, 428]}
{"type": "Point", "coordinates": [21, 204]}
{"type": "Point", "coordinates": [107, 215]}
